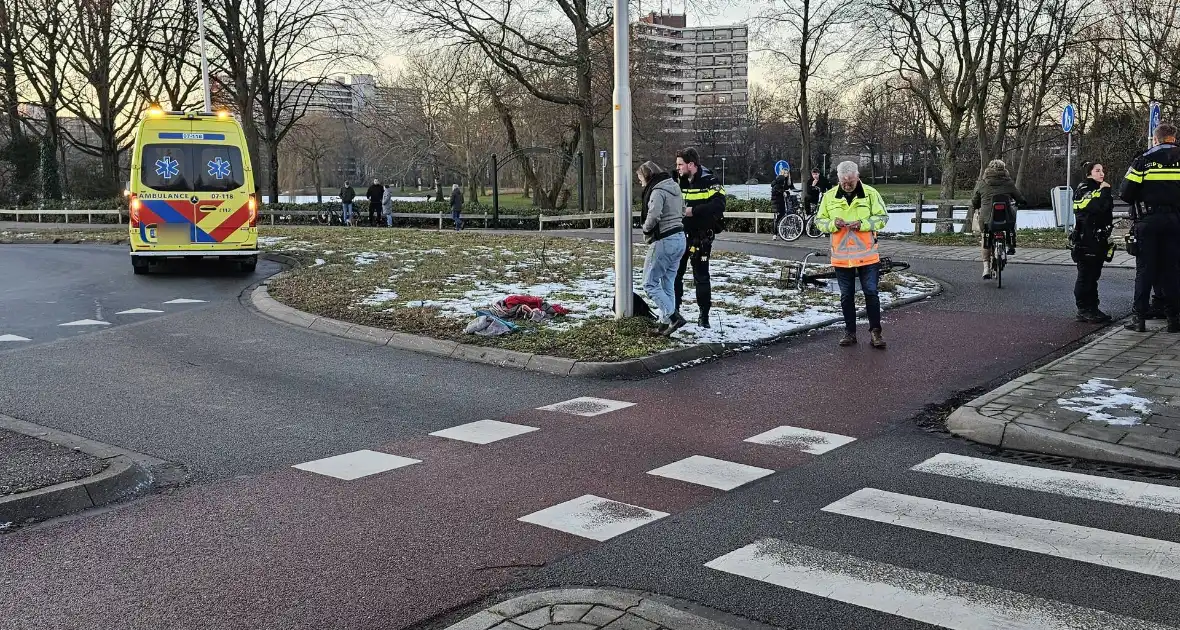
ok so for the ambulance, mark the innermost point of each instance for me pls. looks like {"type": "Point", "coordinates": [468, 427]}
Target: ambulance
{"type": "Point", "coordinates": [191, 193]}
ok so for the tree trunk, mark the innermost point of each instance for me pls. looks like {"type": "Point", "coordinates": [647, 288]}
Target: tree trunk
{"type": "Point", "coordinates": [804, 112]}
{"type": "Point", "coordinates": [319, 183]}
{"type": "Point", "coordinates": [589, 174]}
{"type": "Point", "coordinates": [272, 158]}
{"type": "Point", "coordinates": [950, 156]}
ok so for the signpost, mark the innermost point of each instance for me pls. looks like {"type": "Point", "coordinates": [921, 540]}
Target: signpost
{"type": "Point", "coordinates": [723, 172]}
{"type": "Point", "coordinates": [782, 167]}
{"type": "Point", "coordinates": [602, 154]}
{"type": "Point", "coordinates": [1069, 116]}
{"type": "Point", "coordinates": [624, 304]}
{"type": "Point", "coordinates": [1153, 121]}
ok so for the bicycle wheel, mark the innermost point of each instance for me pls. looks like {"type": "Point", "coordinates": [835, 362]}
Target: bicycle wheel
{"type": "Point", "coordinates": [790, 227]}
{"type": "Point", "coordinates": [812, 230]}
{"type": "Point", "coordinates": [999, 258]}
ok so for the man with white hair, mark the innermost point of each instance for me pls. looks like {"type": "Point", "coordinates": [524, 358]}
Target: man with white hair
{"type": "Point", "coordinates": [853, 213]}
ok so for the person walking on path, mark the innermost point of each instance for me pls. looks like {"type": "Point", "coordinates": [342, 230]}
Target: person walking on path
{"type": "Point", "coordinates": [996, 185]}
{"type": "Point", "coordinates": [853, 213]}
{"type": "Point", "coordinates": [1152, 187]}
{"type": "Point", "coordinates": [387, 205]}
{"type": "Point", "coordinates": [1089, 241]}
{"type": "Point", "coordinates": [663, 230]}
{"type": "Point", "coordinates": [347, 194]}
{"type": "Point", "coordinates": [779, 189]}
{"type": "Point", "coordinates": [375, 194]}
{"type": "Point", "coordinates": [704, 217]}
{"type": "Point", "coordinates": [457, 206]}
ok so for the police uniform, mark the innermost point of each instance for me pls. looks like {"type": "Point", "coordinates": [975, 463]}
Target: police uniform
{"type": "Point", "coordinates": [1152, 187]}
{"type": "Point", "coordinates": [703, 195]}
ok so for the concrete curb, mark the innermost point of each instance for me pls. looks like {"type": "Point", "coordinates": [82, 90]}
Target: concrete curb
{"type": "Point", "coordinates": [557, 366]}
{"type": "Point", "coordinates": [593, 608]}
{"type": "Point", "coordinates": [127, 474]}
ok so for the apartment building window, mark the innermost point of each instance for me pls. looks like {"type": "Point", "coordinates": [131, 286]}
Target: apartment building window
{"type": "Point", "coordinates": [740, 97]}
{"type": "Point", "coordinates": [705, 74]}
{"type": "Point", "coordinates": [722, 73]}
{"type": "Point", "coordinates": [724, 60]}
{"type": "Point", "coordinates": [704, 61]}
{"type": "Point", "coordinates": [741, 71]}
{"type": "Point", "coordinates": [724, 86]}
{"type": "Point", "coordinates": [723, 34]}
{"type": "Point", "coordinates": [704, 35]}
{"type": "Point", "coordinates": [705, 86]}
{"type": "Point", "coordinates": [693, 47]}
{"type": "Point", "coordinates": [724, 47]}
{"type": "Point", "coordinates": [677, 99]}
{"type": "Point", "coordinates": [723, 99]}
{"type": "Point", "coordinates": [706, 48]}
{"type": "Point", "coordinates": [677, 112]}
{"type": "Point", "coordinates": [739, 59]}
{"type": "Point", "coordinates": [739, 45]}
{"type": "Point", "coordinates": [705, 99]}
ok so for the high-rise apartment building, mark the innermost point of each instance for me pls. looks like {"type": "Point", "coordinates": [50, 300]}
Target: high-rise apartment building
{"type": "Point", "coordinates": [704, 71]}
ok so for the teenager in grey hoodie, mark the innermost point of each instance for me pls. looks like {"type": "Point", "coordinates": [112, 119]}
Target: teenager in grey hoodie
{"type": "Point", "coordinates": [663, 229]}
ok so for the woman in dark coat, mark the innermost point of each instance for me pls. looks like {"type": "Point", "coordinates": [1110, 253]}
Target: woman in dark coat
{"type": "Point", "coordinates": [1089, 242]}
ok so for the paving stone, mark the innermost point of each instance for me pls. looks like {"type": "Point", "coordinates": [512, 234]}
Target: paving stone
{"type": "Point", "coordinates": [631, 622]}
{"type": "Point", "coordinates": [1143, 429]}
{"type": "Point", "coordinates": [1097, 432]}
{"type": "Point", "coordinates": [601, 615]}
{"type": "Point", "coordinates": [570, 612]}
{"type": "Point", "coordinates": [1157, 444]}
{"type": "Point", "coordinates": [508, 625]}
{"type": "Point", "coordinates": [1045, 421]}
{"type": "Point", "coordinates": [534, 620]}
{"type": "Point", "coordinates": [570, 626]}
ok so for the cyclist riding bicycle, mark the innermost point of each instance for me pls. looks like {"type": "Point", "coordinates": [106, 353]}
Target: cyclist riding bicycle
{"type": "Point", "coordinates": [996, 186]}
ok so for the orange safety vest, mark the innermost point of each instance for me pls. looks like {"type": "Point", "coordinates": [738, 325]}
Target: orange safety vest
{"type": "Point", "coordinates": [853, 248]}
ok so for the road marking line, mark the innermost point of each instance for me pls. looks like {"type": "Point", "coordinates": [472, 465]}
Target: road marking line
{"type": "Point", "coordinates": [13, 338]}
{"type": "Point", "coordinates": [184, 301]}
{"type": "Point", "coordinates": [806, 440]}
{"type": "Point", "coordinates": [357, 464]}
{"type": "Point", "coordinates": [593, 517]}
{"type": "Point", "coordinates": [138, 311]}
{"type": "Point", "coordinates": [714, 473]}
{"type": "Point", "coordinates": [86, 322]}
{"type": "Point", "coordinates": [587, 406]}
{"type": "Point", "coordinates": [1063, 540]}
{"type": "Point", "coordinates": [484, 431]}
{"type": "Point", "coordinates": [926, 597]}
{"type": "Point", "coordinates": [1071, 484]}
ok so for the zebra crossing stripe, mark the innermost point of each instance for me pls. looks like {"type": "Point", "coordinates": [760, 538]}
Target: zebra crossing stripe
{"type": "Point", "coordinates": [926, 597]}
{"type": "Point", "coordinates": [1148, 556]}
{"type": "Point", "coordinates": [1071, 484]}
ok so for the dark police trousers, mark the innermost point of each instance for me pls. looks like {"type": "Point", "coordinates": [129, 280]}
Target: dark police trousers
{"type": "Point", "coordinates": [700, 249]}
{"type": "Point", "coordinates": [1085, 289]}
{"type": "Point", "coordinates": [1158, 238]}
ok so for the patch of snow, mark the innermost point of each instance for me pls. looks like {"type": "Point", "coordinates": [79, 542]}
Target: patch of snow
{"type": "Point", "coordinates": [271, 240]}
{"type": "Point", "coordinates": [380, 296]}
{"type": "Point", "coordinates": [318, 262]}
{"type": "Point", "coordinates": [366, 258]}
{"type": "Point", "coordinates": [1100, 401]}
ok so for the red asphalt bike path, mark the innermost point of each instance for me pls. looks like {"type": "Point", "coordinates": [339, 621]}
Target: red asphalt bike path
{"type": "Point", "coordinates": [294, 549]}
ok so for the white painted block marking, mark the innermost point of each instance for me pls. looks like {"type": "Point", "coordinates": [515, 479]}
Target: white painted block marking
{"type": "Point", "coordinates": [138, 311]}
{"type": "Point", "coordinates": [484, 431]}
{"type": "Point", "coordinates": [714, 473]}
{"type": "Point", "coordinates": [587, 406]}
{"type": "Point", "coordinates": [357, 464]}
{"type": "Point", "coordinates": [1085, 544]}
{"type": "Point", "coordinates": [594, 517]}
{"type": "Point", "coordinates": [185, 301]}
{"type": "Point", "coordinates": [926, 597]}
{"type": "Point", "coordinates": [13, 338]}
{"type": "Point", "coordinates": [86, 322]}
{"type": "Point", "coordinates": [1071, 484]}
{"type": "Point", "coordinates": [806, 440]}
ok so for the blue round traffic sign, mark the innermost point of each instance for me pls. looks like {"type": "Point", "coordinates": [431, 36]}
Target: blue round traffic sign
{"type": "Point", "coordinates": [781, 167]}
{"type": "Point", "coordinates": [1154, 116]}
{"type": "Point", "coordinates": [1069, 116]}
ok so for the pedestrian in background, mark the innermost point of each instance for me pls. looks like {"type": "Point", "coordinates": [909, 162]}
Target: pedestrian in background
{"type": "Point", "coordinates": [779, 189]}
{"type": "Point", "coordinates": [347, 194]}
{"type": "Point", "coordinates": [457, 206]}
{"type": "Point", "coordinates": [995, 186]}
{"type": "Point", "coordinates": [663, 230]}
{"type": "Point", "coordinates": [813, 189]}
{"type": "Point", "coordinates": [704, 217]}
{"type": "Point", "coordinates": [1089, 241]}
{"type": "Point", "coordinates": [387, 205]}
{"type": "Point", "coordinates": [1152, 187]}
{"type": "Point", "coordinates": [853, 214]}
{"type": "Point", "coordinates": [375, 193]}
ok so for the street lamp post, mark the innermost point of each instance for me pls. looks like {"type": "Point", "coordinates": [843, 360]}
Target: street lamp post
{"type": "Point", "coordinates": [622, 165]}
{"type": "Point", "coordinates": [723, 172]}
{"type": "Point", "coordinates": [204, 57]}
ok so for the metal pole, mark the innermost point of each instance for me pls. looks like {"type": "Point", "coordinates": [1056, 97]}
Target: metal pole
{"type": "Point", "coordinates": [1068, 167]}
{"type": "Point", "coordinates": [604, 182]}
{"type": "Point", "coordinates": [622, 157]}
{"type": "Point", "coordinates": [204, 57]}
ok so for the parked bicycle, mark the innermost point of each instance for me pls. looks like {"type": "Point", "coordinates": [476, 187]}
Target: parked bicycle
{"type": "Point", "coordinates": [798, 220]}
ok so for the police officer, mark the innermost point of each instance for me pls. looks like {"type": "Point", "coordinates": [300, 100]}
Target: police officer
{"type": "Point", "coordinates": [704, 216]}
{"type": "Point", "coordinates": [1152, 187]}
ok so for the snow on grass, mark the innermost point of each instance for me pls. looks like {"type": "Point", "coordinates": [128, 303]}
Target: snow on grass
{"type": "Point", "coordinates": [381, 296]}
{"type": "Point", "coordinates": [271, 240]}
{"type": "Point", "coordinates": [319, 261]}
{"type": "Point", "coordinates": [1101, 401]}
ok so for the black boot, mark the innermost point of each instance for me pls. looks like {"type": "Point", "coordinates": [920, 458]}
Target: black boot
{"type": "Point", "coordinates": [704, 320]}
{"type": "Point", "coordinates": [677, 323]}
{"type": "Point", "coordinates": [1137, 324]}
{"type": "Point", "coordinates": [1098, 317]}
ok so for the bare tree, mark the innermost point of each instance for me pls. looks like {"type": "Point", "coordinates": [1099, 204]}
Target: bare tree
{"type": "Point", "coordinates": [812, 33]}
{"type": "Point", "coordinates": [10, 25]}
{"type": "Point", "coordinates": [42, 55]}
{"type": "Point", "coordinates": [546, 46]}
{"type": "Point", "coordinates": [172, 72]}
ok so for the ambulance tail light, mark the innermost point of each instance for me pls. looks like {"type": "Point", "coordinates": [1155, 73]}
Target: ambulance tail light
{"type": "Point", "coordinates": [135, 205]}
{"type": "Point", "coordinates": [253, 205]}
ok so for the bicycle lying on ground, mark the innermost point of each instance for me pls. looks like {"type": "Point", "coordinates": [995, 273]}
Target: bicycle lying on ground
{"type": "Point", "coordinates": [798, 275]}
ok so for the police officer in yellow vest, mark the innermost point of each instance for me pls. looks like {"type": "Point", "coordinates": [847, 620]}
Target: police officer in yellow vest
{"type": "Point", "coordinates": [853, 214]}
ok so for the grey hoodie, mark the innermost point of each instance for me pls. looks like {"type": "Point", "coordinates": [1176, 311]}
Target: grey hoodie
{"type": "Point", "coordinates": [665, 208]}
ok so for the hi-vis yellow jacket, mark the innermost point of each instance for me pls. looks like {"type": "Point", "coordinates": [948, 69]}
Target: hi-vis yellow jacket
{"type": "Point", "coordinates": [853, 249]}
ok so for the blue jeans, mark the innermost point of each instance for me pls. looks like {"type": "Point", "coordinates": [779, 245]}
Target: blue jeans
{"type": "Point", "coordinates": [455, 215]}
{"type": "Point", "coordinates": [389, 219]}
{"type": "Point", "coordinates": [659, 273]}
{"type": "Point", "coordinates": [869, 275]}
{"type": "Point", "coordinates": [347, 211]}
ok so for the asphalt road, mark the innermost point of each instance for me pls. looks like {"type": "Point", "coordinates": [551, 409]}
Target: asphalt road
{"type": "Point", "coordinates": [251, 542]}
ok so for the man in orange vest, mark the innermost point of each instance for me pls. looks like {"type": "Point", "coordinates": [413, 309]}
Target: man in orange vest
{"type": "Point", "coordinates": [853, 214]}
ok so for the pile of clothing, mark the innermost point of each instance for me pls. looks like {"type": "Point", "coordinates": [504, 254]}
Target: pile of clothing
{"type": "Point", "coordinates": [493, 321]}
